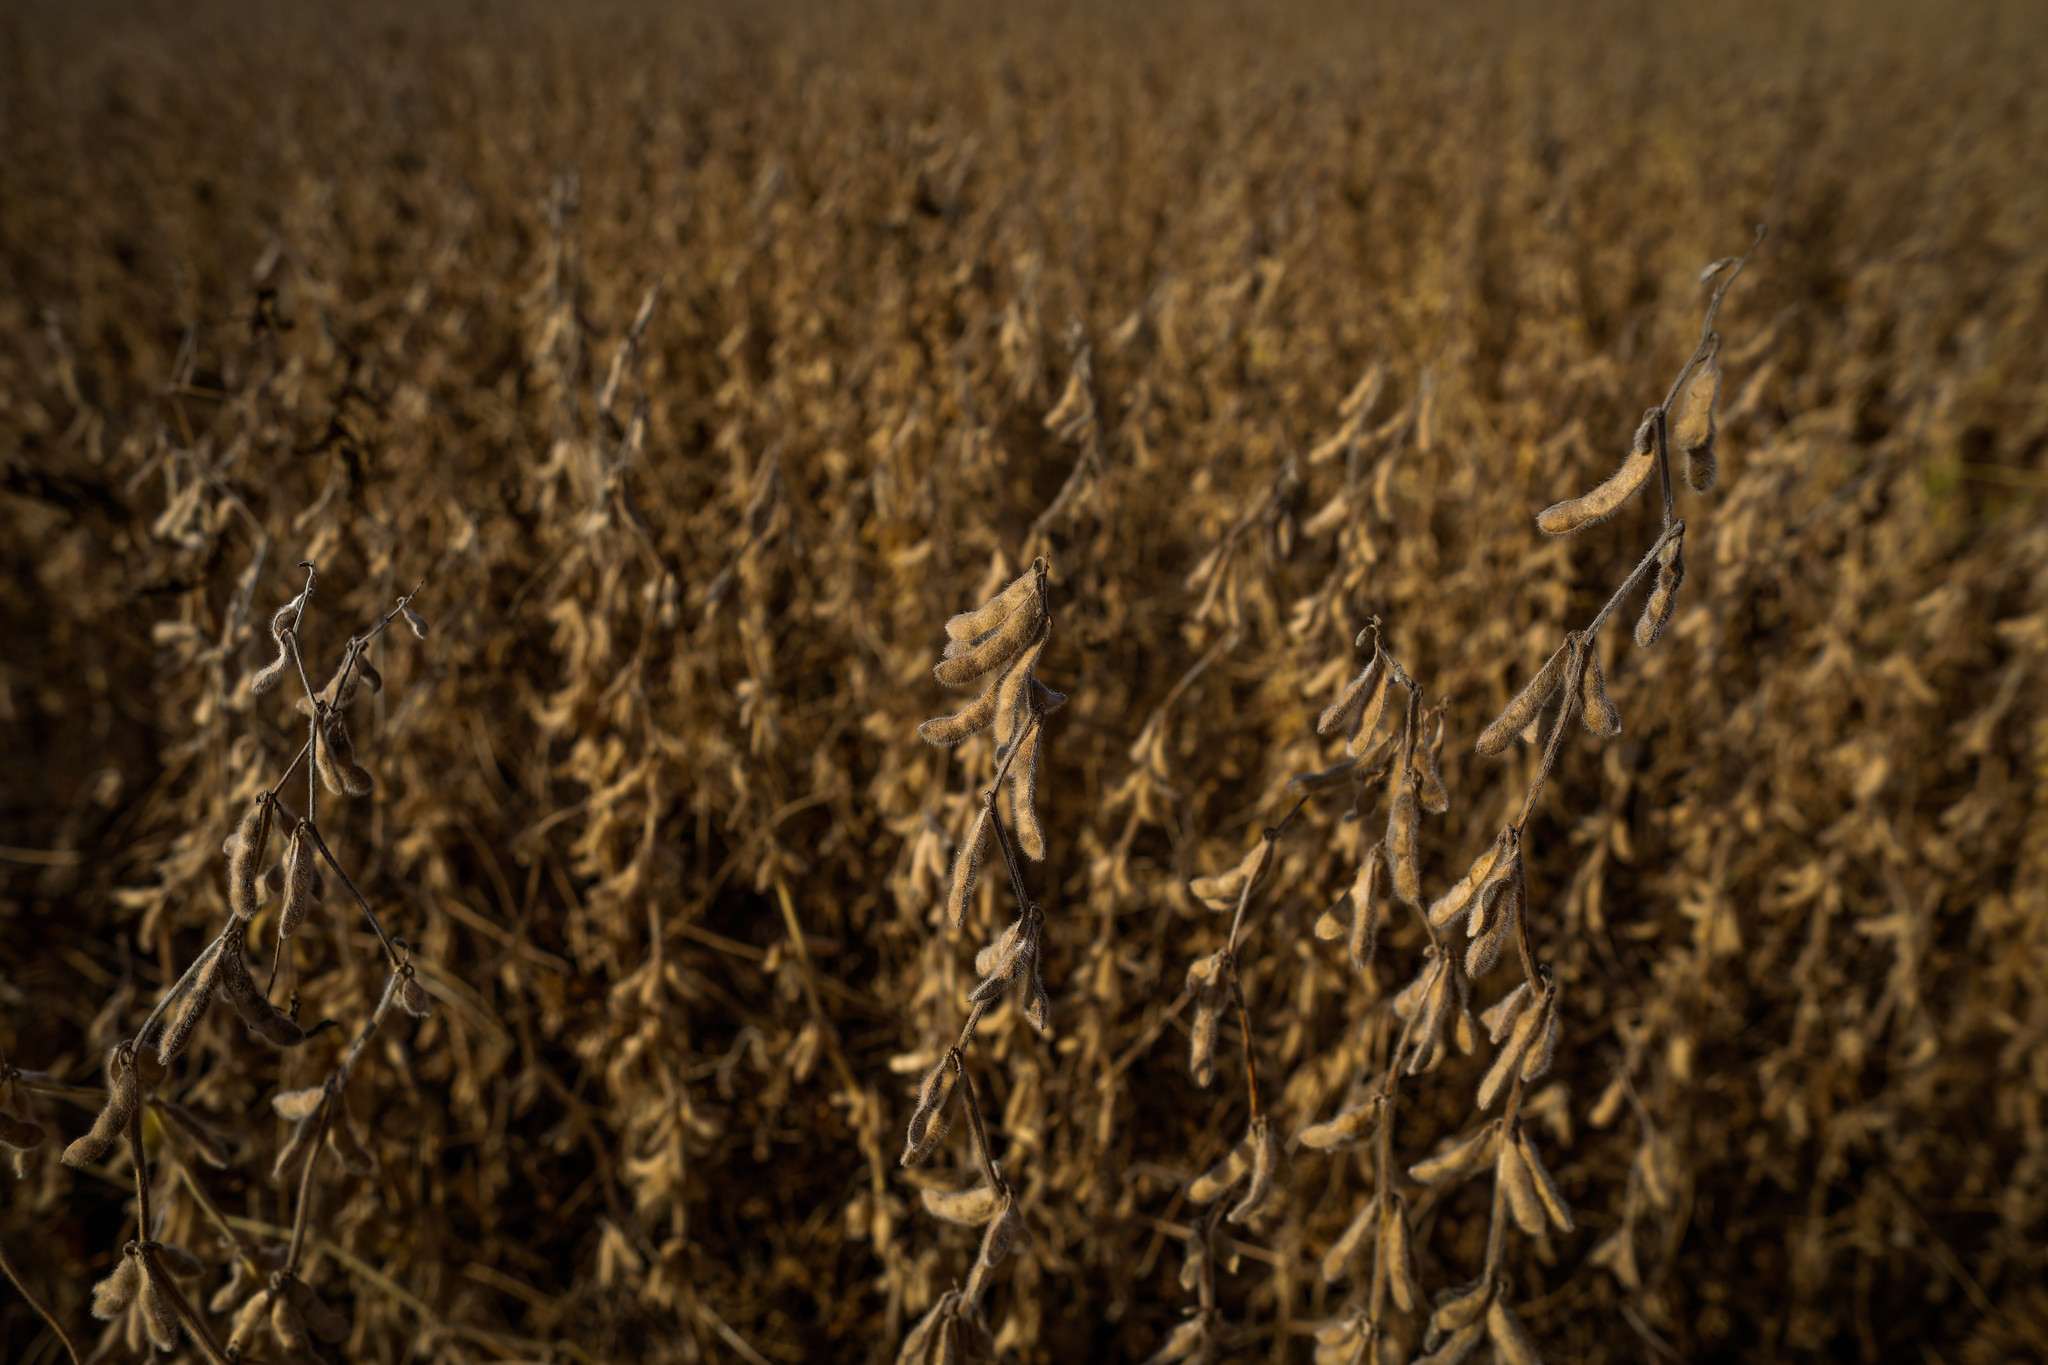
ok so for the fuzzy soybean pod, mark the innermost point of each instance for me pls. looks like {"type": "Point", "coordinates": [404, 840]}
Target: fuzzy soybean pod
{"type": "Point", "coordinates": [965, 661]}
{"type": "Point", "coordinates": [1404, 831]}
{"type": "Point", "coordinates": [1562, 519]}
{"type": "Point", "coordinates": [1595, 708]}
{"type": "Point", "coordinates": [245, 849]}
{"type": "Point", "coordinates": [1663, 599]}
{"type": "Point", "coordinates": [124, 1094]}
{"type": "Point", "coordinates": [1528, 703]}
{"type": "Point", "coordinates": [1693, 432]}
{"type": "Point", "coordinates": [299, 859]}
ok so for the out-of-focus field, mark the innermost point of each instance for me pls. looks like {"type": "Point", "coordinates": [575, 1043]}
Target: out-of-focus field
{"type": "Point", "coordinates": [346, 286]}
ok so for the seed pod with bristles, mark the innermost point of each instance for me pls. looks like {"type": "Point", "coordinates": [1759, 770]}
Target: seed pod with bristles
{"type": "Point", "coordinates": [1349, 1126]}
{"type": "Point", "coordinates": [249, 1320]}
{"type": "Point", "coordinates": [1024, 796]}
{"type": "Point", "coordinates": [1460, 1309]}
{"type": "Point", "coordinates": [347, 1145]}
{"type": "Point", "coordinates": [1429, 787]}
{"type": "Point", "coordinates": [1663, 599]}
{"type": "Point", "coordinates": [966, 862]}
{"type": "Point", "coordinates": [1454, 903]}
{"type": "Point", "coordinates": [264, 1018]}
{"type": "Point", "coordinates": [1338, 1257]}
{"type": "Point", "coordinates": [416, 622]}
{"type": "Point", "coordinates": [1404, 832]}
{"type": "Point", "coordinates": [245, 851]}
{"type": "Point", "coordinates": [113, 1294]}
{"type": "Point", "coordinates": [1562, 519]}
{"type": "Point", "coordinates": [1189, 1341]}
{"type": "Point", "coordinates": [1596, 710]}
{"type": "Point", "coordinates": [159, 1319]}
{"type": "Point", "coordinates": [1265, 1160]}
{"type": "Point", "coordinates": [966, 660]}
{"type": "Point", "coordinates": [124, 1093]}
{"type": "Point", "coordinates": [1397, 1254]}
{"type": "Point", "coordinates": [1207, 1187]}
{"type": "Point", "coordinates": [1693, 431]}
{"type": "Point", "coordinates": [1502, 1016]}
{"type": "Point", "coordinates": [970, 1208]}
{"type": "Point", "coordinates": [1486, 949]}
{"type": "Point", "coordinates": [1457, 1348]}
{"type": "Point", "coordinates": [327, 1324]}
{"type": "Point", "coordinates": [282, 621]}
{"type": "Point", "coordinates": [1512, 1174]}
{"type": "Point", "coordinates": [973, 717]}
{"type": "Point", "coordinates": [288, 1325]}
{"type": "Point", "coordinates": [1013, 692]}
{"type": "Point", "coordinates": [206, 974]}
{"type": "Point", "coordinates": [973, 625]}
{"type": "Point", "coordinates": [299, 859]}
{"type": "Point", "coordinates": [1202, 1034]}
{"type": "Point", "coordinates": [1543, 1048]}
{"type": "Point", "coordinates": [1004, 1231]}
{"type": "Point", "coordinates": [1511, 1344]}
{"type": "Point", "coordinates": [1528, 1027]}
{"type": "Point", "coordinates": [928, 1121]}
{"type": "Point", "coordinates": [339, 771]}
{"type": "Point", "coordinates": [413, 998]}
{"type": "Point", "coordinates": [367, 671]}
{"type": "Point", "coordinates": [1368, 911]}
{"type": "Point", "coordinates": [1528, 703]}
{"type": "Point", "coordinates": [1458, 1160]}
{"type": "Point", "coordinates": [1340, 775]}
{"type": "Point", "coordinates": [1222, 891]}
{"type": "Point", "coordinates": [1036, 1005]}
{"type": "Point", "coordinates": [1370, 716]}
{"type": "Point", "coordinates": [1427, 1046]}
{"type": "Point", "coordinates": [1370, 683]}
{"type": "Point", "coordinates": [1543, 1186]}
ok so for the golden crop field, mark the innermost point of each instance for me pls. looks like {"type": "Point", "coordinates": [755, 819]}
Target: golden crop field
{"type": "Point", "coordinates": [540, 932]}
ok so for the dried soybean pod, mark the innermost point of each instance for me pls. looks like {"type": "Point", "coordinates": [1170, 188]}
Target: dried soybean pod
{"type": "Point", "coordinates": [245, 857]}
{"type": "Point", "coordinates": [966, 862]}
{"type": "Point", "coordinates": [1350, 1126]}
{"type": "Point", "coordinates": [1013, 690]}
{"type": "Point", "coordinates": [1693, 432]}
{"type": "Point", "coordinates": [1024, 796]}
{"type": "Point", "coordinates": [1436, 799]}
{"type": "Point", "coordinates": [1397, 1253]}
{"type": "Point", "coordinates": [191, 1009]}
{"type": "Point", "coordinates": [1265, 1160]}
{"type": "Point", "coordinates": [973, 625]}
{"type": "Point", "coordinates": [970, 1208]}
{"type": "Point", "coordinates": [299, 859]}
{"type": "Point", "coordinates": [1512, 1052]}
{"type": "Point", "coordinates": [1459, 1160]}
{"type": "Point", "coordinates": [1348, 1241]}
{"type": "Point", "coordinates": [249, 1320]}
{"type": "Point", "coordinates": [1457, 1311]}
{"type": "Point", "coordinates": [124, 1093]}
{"type": "Point", "coordinates": [927, 1123]}
{"type": "Point", "coordinates": [1502, 1016]}
{"type": "Point", "coordinates": [282, 621]}
{"type": "Point", "coordinates": [1202, 1035]}
{"type": "Point", "coordinates": [1205, 1188]}
{"type": "Point", "coordinates": [1369, 718]}
{"type": "Point", "coordinates": [1596, 710]}
{"type": "Point", "coordinates": [1001, 646]}
{"type": "Point", "coordinates": [950, 730]}
{"type": "Point", "coordinates": [1520, 712]}
{"type": "Point", "coordinates": [1222, 891]}
{"type": "Point", "coordinates": [240, 988]}
{"type": "Point", "coordinates": [339, 770]}
{"type": "Point", "coordinates": [158, 1317]}
{"type": "Point", "coordinates": [1511, 1345]}
{"type": "Point", "coordinates": [1663, 598]}
{"type": "Point", "coordinates": [1343, 712]}
{"type": "Point", "coordinates": [347, 1146]}
{"type": "Point", "coordinates": [1512, 1173]}
{"type": "Point", "coordinates": [1544, 1187]}
{"type": "Point", "coordinates": [117, 1290]}
{"type": "Point", "coordinates": [1404, 827]}
{"type": "Point", "coordinates": [1368, 910]}
{"type": "Point", "coordinates": [1562, 519]}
